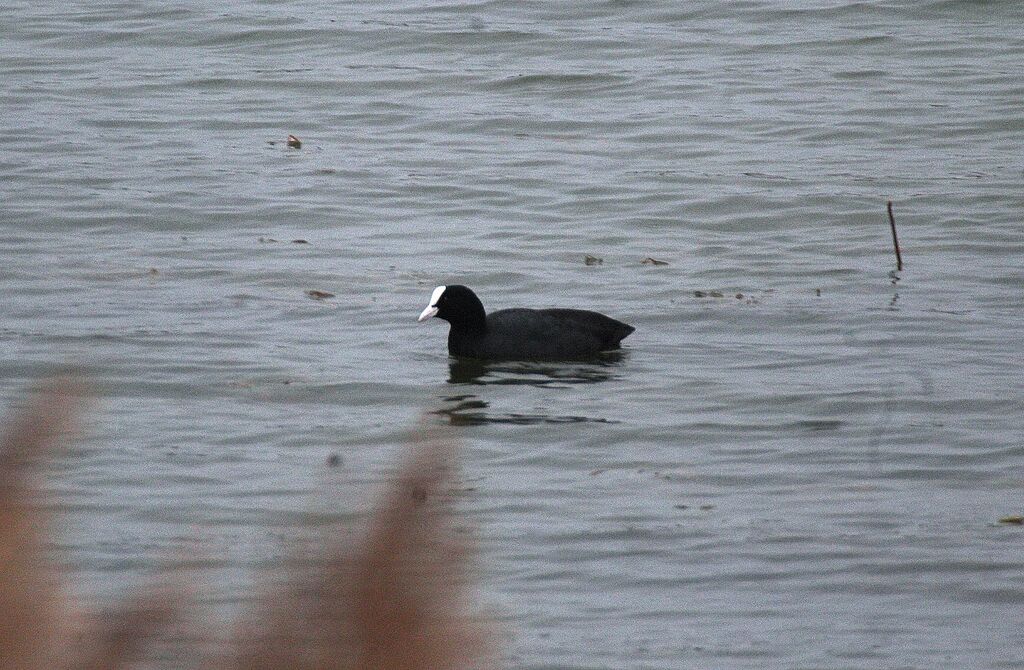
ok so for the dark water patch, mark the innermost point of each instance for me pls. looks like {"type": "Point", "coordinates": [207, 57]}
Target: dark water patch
{"type": "Point", "coordinates": [562, 83]}
{"type": "Point", "coordinates": [481, 419]}
{"type": "Point", "coordinates": [267, 38]}
{"type": "Point", "coordinates": [468, 371]}
{"type": "Point", "coordinates": [467, 411]}
{"type": "Point", "coordinates": [855, 75]}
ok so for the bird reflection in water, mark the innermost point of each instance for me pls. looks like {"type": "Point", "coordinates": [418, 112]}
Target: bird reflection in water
{"type": "Point", "coordinates": [470, 410]}
{"type": "Point", "coordinates": [474, 371]}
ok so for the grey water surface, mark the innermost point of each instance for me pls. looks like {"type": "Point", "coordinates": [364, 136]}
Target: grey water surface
{"type": "Point", "coordinates": [799, 461]}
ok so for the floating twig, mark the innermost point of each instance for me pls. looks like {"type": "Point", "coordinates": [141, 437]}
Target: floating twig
{"type": "Point", "coordinates": [895, 240]}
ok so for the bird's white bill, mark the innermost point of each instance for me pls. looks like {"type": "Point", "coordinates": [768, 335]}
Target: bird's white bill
{"type": "Point", "coordinates": [431, 309]}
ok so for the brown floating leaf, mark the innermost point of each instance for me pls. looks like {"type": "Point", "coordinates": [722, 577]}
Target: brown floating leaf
{"type": "Point", "coordinates": [319, 295]}
{"type": "Point", "coordinates": [294, 142]}
{"type": "Point", "coordinates": [652, 261]}
{"type": "Point", "coordinates": [1014, 519]}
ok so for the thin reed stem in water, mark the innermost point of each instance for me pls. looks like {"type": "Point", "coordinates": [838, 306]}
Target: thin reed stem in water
{"type": "Point", "coordinates": [895, 240]}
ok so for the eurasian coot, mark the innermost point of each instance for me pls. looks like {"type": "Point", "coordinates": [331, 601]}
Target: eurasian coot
{"type": "Point", "coordinates": [521, 334]}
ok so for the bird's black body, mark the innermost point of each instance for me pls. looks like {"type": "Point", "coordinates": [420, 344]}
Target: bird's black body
{"type": "Point", "coordinates": [524, 334]}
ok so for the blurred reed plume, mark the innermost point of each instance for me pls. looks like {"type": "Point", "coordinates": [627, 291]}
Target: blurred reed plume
{"type": "Point", "coordinates": [396, 600]}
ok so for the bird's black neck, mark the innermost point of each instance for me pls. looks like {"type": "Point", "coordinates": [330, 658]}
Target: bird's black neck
{"type": "Point", "coordinates": [469, 316]}
{"type": "Point", "coordinates": [470, 323]}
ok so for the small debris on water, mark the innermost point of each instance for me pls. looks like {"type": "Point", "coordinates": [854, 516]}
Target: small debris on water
{"type": "Point", "coordinates": [707, 507]}
{"type": "Point", "coordinates": [1015, 519]}
{"type": "Point", "coordinates": [153, 272]}
{"type": "Point", "coordinates": [652, 261]}
{"type": "Point", "coordinates": [592, 260]}
{"type": "Point", "coordinates": [294, 142]}
{"type": "Point", "coordinates": [817, 292]}
{"type": "Point", "coordinates": [300, 241]}
{"type": "Point", "coordinates": [739, 296]}
{"type": "Point", "coordinates": [265, 240]}
{"type": "Point", "coordinates": [334, 460]}
{"type": "Point", "coordinates": [319, 295]}
{"type": "Point", "coordinates": [699, 294]}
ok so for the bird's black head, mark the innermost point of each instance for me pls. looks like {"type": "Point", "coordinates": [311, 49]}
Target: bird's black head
{"type": "Point", "coordinates": [457, 305]}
